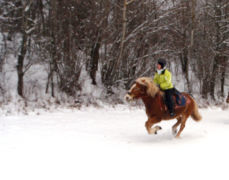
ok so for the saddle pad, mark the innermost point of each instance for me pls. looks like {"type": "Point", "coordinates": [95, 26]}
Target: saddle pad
{"type": "Point", "coordinates": [180, 99]}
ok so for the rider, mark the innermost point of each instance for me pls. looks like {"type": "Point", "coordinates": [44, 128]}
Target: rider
{"type": "Point", "coordinates": [163, 79]}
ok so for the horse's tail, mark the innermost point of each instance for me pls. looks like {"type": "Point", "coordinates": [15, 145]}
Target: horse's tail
{"type": "Point", "coordinates": [195, 113]}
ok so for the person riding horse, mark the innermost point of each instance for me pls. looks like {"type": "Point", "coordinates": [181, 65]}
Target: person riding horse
{"type": "Point", "coordinates": [163, 79]}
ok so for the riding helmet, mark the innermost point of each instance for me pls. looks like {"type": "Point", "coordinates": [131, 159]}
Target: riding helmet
{"type": "Point", "coordinates": [162, 62]}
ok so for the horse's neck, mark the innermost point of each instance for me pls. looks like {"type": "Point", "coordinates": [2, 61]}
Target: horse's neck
{"type": "Point", "coordinates": [151, 101]}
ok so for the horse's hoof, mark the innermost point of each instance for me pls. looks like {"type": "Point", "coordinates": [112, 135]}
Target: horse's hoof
{"type": "Point", "coordinates": [157, 128]}
{"type": "Point", "coordinates": [174, 132]}
{"type": "Point", "coordinates": [154, 130]}
{"type": "Point", "coordinates": [177, 136]}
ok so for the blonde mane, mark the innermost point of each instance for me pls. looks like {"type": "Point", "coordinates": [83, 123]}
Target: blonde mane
{"type": "Point", "coordinates": [152, 88]}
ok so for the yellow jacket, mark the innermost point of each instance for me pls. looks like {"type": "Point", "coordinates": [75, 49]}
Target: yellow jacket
{"type": "Point", "coordinates": [164, 80]}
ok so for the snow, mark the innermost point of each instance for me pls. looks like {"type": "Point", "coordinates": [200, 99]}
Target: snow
{"type": "Point", "coordinates": [111, 143]}
{"type": "Point", "coordinates": [27, 8]}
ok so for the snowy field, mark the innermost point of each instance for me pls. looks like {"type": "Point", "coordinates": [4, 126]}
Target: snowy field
{"type": "Point", "coordinates": [112, 144]}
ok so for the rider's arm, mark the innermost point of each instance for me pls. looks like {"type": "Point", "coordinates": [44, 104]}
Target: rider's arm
{"type": "Point", "coordinates": [167, 81]}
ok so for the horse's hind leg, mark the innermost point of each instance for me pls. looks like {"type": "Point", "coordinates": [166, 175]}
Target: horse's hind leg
{"type": "Point", "coordinates": [182, 126]}
{"type": "Point", "coordinates": [150, 123]}
{"type": "Point", "coordinates": [174, 128]}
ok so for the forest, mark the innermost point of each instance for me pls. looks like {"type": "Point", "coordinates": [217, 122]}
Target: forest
{"type": "Point", "coordinates": [113, 42]}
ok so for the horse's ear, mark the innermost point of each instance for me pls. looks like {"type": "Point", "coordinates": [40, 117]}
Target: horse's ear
{"type": "Point", "coordinates": [144, 83]}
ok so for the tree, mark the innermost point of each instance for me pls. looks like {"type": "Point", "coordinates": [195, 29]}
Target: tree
{"type": "Point", "coordinates": [217, 8]}
{"type": "Point", "coordinates": [19, 17]}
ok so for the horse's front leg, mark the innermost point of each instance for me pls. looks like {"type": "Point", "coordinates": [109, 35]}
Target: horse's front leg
{"type": "Point", "coordinates": [150, 123]}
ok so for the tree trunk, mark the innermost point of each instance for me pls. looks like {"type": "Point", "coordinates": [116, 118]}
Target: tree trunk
{"type": "Point", "coordinates": [52, 85]}
{"type": "Point", "coordinates": [94, 61]}
{"type": "Point", "coordinates": [217, 57]}
{"type": "Point", "coordinates": [193, 22]}
{"type": "Point", "coordinates": [205, 87]}
{"type": "Point", "coordinates": [20, 65]}
{"type": "Point", "coordinates": [190, 46]}
{"type": "Point", "coordinates": [53, 63]}
{"type": "Point", "coordinates": [185, 66]}
{"type": "Point", "coordinates": [222, 83]}
{"type": "Point", "coordinates": [50, 81]}
{"type": "Point", "coordinates": [213, 77]}
{"type": "Point", "coordinates": [124, 20]}
{"type": "Point", "coordinates": [124, 24]}
{"type": "Point", "coordinates": [227, 98]}
{"type": "Point", "coordinates": [223, 74]}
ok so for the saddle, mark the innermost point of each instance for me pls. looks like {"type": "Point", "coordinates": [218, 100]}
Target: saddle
{"type": "Point", "coordinates": [178, 98]}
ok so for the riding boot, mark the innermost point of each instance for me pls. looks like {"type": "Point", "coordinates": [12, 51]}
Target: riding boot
{"type": "Point", "coordinates": [172, 114]}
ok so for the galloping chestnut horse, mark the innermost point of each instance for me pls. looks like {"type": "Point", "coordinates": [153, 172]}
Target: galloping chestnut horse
{"type": "Point", "coordinates": [156, 111]}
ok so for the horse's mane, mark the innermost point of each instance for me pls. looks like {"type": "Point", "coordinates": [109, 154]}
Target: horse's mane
{"type": "Point", "coordinates": [152, 88]}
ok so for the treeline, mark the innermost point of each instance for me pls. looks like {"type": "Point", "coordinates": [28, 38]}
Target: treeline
{"type": "Point", "coordinates": [118, 39]}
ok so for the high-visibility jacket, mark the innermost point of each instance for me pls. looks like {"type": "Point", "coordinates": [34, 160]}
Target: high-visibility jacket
{"type": "Point", "coordinates": [164, 80]}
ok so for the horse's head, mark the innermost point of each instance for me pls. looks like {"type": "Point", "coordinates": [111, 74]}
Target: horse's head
{"type": "Point", "coordinates": [136, 91]}
{"type": "Point", "coordinates": [142, 87]}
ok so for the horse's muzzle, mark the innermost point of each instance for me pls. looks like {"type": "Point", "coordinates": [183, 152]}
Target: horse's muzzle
{"type": "Point", "coordinates": [128, 97]}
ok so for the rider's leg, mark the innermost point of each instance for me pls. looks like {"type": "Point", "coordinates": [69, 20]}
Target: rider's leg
{"type": "Point", "coordinates": [169, 101]}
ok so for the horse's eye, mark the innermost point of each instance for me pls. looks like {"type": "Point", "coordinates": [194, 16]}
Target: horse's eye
{"type": "Point", "coordinates": [137, 88]}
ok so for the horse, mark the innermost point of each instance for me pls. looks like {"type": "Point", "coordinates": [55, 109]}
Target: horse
{"type": "Point", "coordinates": [144, 88]}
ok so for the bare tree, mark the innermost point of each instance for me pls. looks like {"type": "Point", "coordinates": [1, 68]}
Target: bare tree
{"type": "Point", "coordinates": [217, 10]}
{"type": "Point", "coordinates": [120, 39]}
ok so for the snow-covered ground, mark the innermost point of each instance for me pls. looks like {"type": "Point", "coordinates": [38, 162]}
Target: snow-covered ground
{"type": "Point", "coordinates": [111, 144]}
